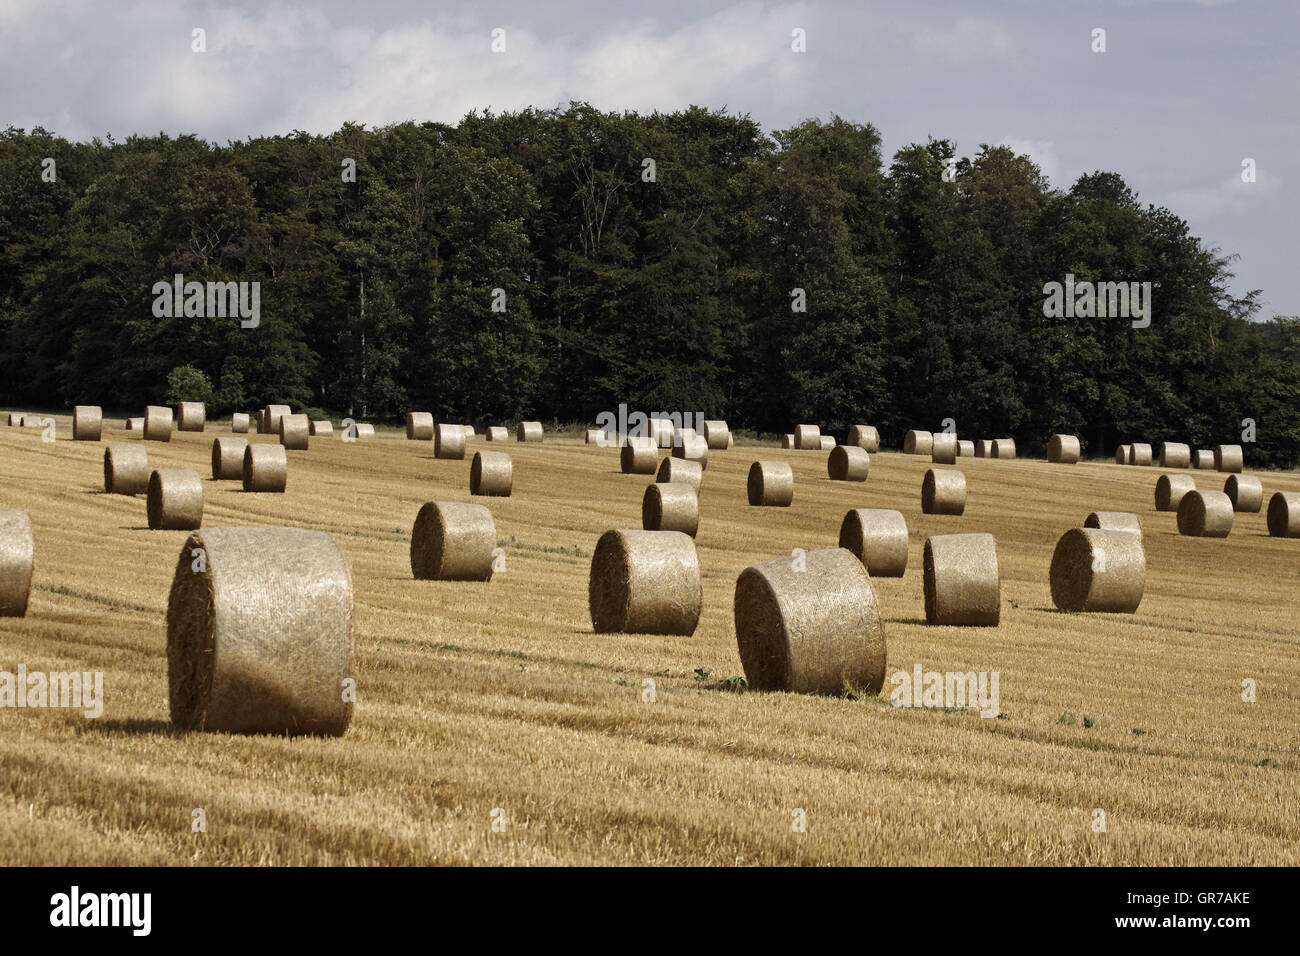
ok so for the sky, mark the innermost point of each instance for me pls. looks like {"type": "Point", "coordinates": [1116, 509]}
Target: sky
{"type": "Point", "coordinates": [1185, 92]}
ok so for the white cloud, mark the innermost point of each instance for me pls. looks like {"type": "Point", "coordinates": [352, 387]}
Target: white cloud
{"type": "Point", "coordinates": [965, 42]}
{"type": "Point", "coordinates": [1229, 197]}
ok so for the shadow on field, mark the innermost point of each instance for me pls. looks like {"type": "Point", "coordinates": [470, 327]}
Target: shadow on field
{"type": "Point", "coordinates": [136, 726]}
{"type": "Point", "coordinates": [904, 620]}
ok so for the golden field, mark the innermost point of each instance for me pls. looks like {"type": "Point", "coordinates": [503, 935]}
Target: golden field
{"type": "Point", "coordinates": [474, 698]}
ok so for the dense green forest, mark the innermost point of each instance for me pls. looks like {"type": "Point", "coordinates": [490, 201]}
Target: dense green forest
{"type": "Point", "coordinates": [669, 285]}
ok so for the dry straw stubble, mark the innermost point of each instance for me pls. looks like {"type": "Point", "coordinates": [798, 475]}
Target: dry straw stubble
{"type": "Point", "coordinates": [848, 463]}
{"type": "Point", "coordinates": [878, 538]}
{"type": "Point", "coordinates": [491, 474]}
{"type": "Point", "coordinates": [961, 581]}
{"type": "Point", "coordinates": [126, 470]}
{"type": "Point", "coordinates": [17, 558]}
{"type": "Point", "coordinates": [87, 423]}
{"type": "Point", "coordinates": [1095, 570]}
{"type": "Point", "coordinates": [645, 582]}
{"type": "Point", "coordinates": [770, 484]}
{"type": "Point", "coordinates": [266, 468]}
{"type": "Point", "coordinates": [228, 458]}
{"type": "Point", "coordinates": [175, 501]}
{"type": "Point", "coordinates": [453, 541]}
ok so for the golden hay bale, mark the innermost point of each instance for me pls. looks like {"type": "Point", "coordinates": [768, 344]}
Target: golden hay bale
{"type": "Point", "coordinates": [827, 443]}
{"type": "Point", "coordinates": [984, 448]}
{"type": "Point", "coordinates": [15, 418]}
{"type": "Point", "coordinates": [693, 449]}
{"type": "Point", "coordinates": [848, 463]}
{"type": "Point", "coordinates": [87, 423]}
{"type": "Point", "coordinates": [961, 580]}
{"type": "Point", "coordinates": [363, 431]}
{"type": "Point", "coordinates": [126, 470]}
{"type": "Point", "coordinates": [469, 432]}
{"type": "Point", "coordinates": [1204, 459]}
{"type": "Point", "coordinates": [497, 433]}
{"type": "Point", "coordinates": [1205, 514]}
{"type": "Point", "coordinates": [661, 430]}
{"type": "Point", "coordinates": [449, 442]}
{"type": "Point", "coordinates": [228, 458]}
{"type": "Point", "coordinates": [1175, 454]}
{"type": "Point", "coordinates": [491, 474]}
{"type": "Point", "coordinates": [917, 442]}
{"type": "Point", "coordinates": [259, 634]}
{"type": "Point", "coordinates": [175, 501]}
{"type": "Point", "coordinates": [17, 556]}
{"type": "Point", "coordinates": [30, 421]}
{"type": "Point", "coordinates": [191, 416]}
{"type": "Point", "coordinates": [865, 437]}
{"type": "Point", "coordinates": [1140, 454]}
{"type": "Point", "coordinates": [943, 492]}
{"type": "Point", "coordinates": [1170, 490]}
{"type": "Point", "coordinates": [1063, 449]}
{"type": "Point", "coordinates": [321, 428]}
{"type": "Point", "coordinates": [717, 434]}
{"type": "Point", "coordinates": [595, 436]}
{"type": "Point", "coordinates": [680, 471]}
{"type": "Point", "coordinates": [810, 626]}
{"type": "Point", "coordinates": [1114, 521]}
{"type": "Point", "coordinates": [787, 441]}
{"type": "Point", "coordinates": [1228, 458]}
{"type": "Point", "coordinates": [645, 582]}
{"type": "Point", "coordinates": [1094, 570]}
{"type": "Point", "coordinates": [453, 541]}
{"type": "Point", "coordinates": [808, 437]}
{"type": "Point", "coordinates": [943, 448]}
{"type": "Point", "coordinates": [965, 449]}
{"type": "Point", "coordinates": [266, 468]}
{"type": "Point", "coordinates": [639, 455]}
{"type": "Point", "coordinates": [239, 423]}
{"type": "Point", "coordinates": [1245, 492]}
{"type": "Point", "coordinates": [1284, 514]}
{"type": "Point", "coordinates": [680, 435]}
{"type": "Point", "coordinates": [770, 483]}
{"type": "Point", "coordinates": [157, 423]}
{"type": "Point", "coordinates": [295, 432]}
{"type": "Point", "coordinates": [878, 538]}
{"type": "Point", "coordinates": [1004, 448]}
{"type": "Point", "coordinates": [271, 416]}
{"type": "Point", "coordinates": [529, 431]}
{"type": "Point", "coordinates": [419, 426]}
{"type": "Point", "coordinates": [1124, 455]}
{"type": "Point", "coordinates": [670, 506]}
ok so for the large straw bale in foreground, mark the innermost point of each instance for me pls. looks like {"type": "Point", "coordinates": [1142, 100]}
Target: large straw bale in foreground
{"type": "Point", "coordinates": [961, 580]}
{"type": "Point", "coordinates": [645, 582]}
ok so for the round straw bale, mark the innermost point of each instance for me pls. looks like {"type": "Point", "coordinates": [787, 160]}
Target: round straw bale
{"type": "Point", "coordinates": [943, 492]}
{"type": "Point", "coordinates": [175, 501]}
{"type": "Point", "coordinates": [529, 431]}
{"type": "Point", "coordinates": [1284, 514]}
{"type": "Point", "coordinates": [497, 433]}
{"type": "Point", "coordinates": [1205, 514]}
{"type": "Point", "coordinates": [491, 474]}
{"type": "Point", "coordinates": [680, 471]}
{"type": "Point", "coordinates": [865, 437]}
{"type": "Point", "coordinates": [717, 434]}
{"type": "Point", "coordinates": [595, 436]}
{"type": "Point", "coordinates": [943, 448]}
{"type": "Point", "coordinates": [1114, 521]}
{"type": "Point", "coordinates": [1094, 570]}
{"type": "Point", "coordinates": [1245, 492]}
{"type": "Point", "coordinates": [295, 431]}
{"type": "Point", "coordinates": [808, 436]}
{"type": "Point", "coordinates": [878, 538]}
{"type": "Point", "coordinates": [961, 580]}
{"type": "Point", "coordinates": [645, 582]}
{"type": "Point", "coordinates": [453, 541]}
{"type": "Point", "coordinates": [364, 430]}
{"type": "Point", "coordinates": [191, 416]}
{"type": "Point", "coordinates": [1141, 454]}
{"type": "Point", "coordinates": [917, 442]}
{"type": "Point", "coordinates": [827, 443]}
{"type": "Point", "coordinates": [787, 441]}
{"type": "Point", "coordinates": [228, 458]}
{"type": "Point", "coordinates": [31, 421]}
{"type": "Point", "coordinates": [984, 448]}
{"type": "Point", "coordinates": [639, 455]}
{"type": "Point", "coordinates": [848, 463]}
{"type": "Point", "coordinates": [126, 470]}
{"type": "Point", "coordinates": [1170, 490]}
{"type": "Point", "coordinates": [1063, 449]}
{"type": "Point", "coordinates": [1175, 455]}
{"type": "Point", "coordinates": [157, 423]}
{"type": "Point", "coordinates": [259, 636]}
{"type": "Point", "coordinates": [770, 483]}
{"type": "Point", "coordinates": [965, 449]}
{"type": "Point", "coordinates": [135, 424]}
{"type": "Point", "coordinates": [1204, 459]}
{"type": "Point", "coordinates": [670, 506]}
{"type": "Point", "coordinates": [87, 423]}
{"type": "Point", "coordinates": [17, 552]}
{"type": "Point", "coordinates": [449, 442]}
{"type": "Point", "coordinates": [419, 426]}
{"type": "Point", "coordinates": [265, 467]}
{"type": "Point", "coordinates": [1004, 448]}
{"type": "Point", "coordinates": [810, 628]}
{"type": "Point", "coordinates": [469, 431]}
{"type": "Point", "coordinates": [1124, 455]}
{"type": "Point", "coordinates": [681, 435]}
{"type": "Point", "coordinates": [239, 423]}
{"type": "Point", "coordinates": [271, 416]}
{"type": "Point", "coordinates": [15, 418]}
{"type": "Point", "coordinates": [693, 449]}
{"type": "Point", "coordinates": [321, 428]}
{"type": "Point", "coordinates": [1228, 458]}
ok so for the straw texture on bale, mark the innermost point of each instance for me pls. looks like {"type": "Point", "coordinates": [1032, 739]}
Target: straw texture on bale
{"type": "Point", "coordinates": [157, 423]}
{"type": "Point", "coordinates": [271, 416]}
{"type": "Point", "coordinates": [15, 418]}
{"type": "Point", "coordinates": [1114, 521]}
{"type": "Point", "coordinates": [693, 449]}
{"type": "Point", "coordinates": [239, 423]}
{"type": "Point", "coordinates": [595, 436]}
{"type": "Point", "coordinates": [645, 582]}
{"type": "Point", "coordinates": [449, 442]}
{"type": "Point", "coordinates": [1004, 448]}
{"type": "Point", "coordinates": [961, 580]}
{"type": "Point", "coordinates": [770, 483]}
{"type": "Point", "coordinates": [878, 538]}
{"type": "Point", "coordinates": [1170, 490]}
{"type": "Point", "coordinates": [87, 423]}
{"type": "Point", "coordinates": [917, 442]}
{"type": "Point", "coordinates": [1245, 492]}
{"type": "Point", "coordinates": [943, 492]}
{"type": "Point", "coordinates": [717, 434]}
{"type": "Point", "coordinates": [1175, 454]}
{"type": "Point", "coordinates": [453, 541]}
{"type": "Point", "coordinates": [848, 463]}
{"type": "Point", "coordinates": [126, 470]}
{"type": "Point", "coordinates": [260, 639]}
{"type": "Point", "coordinates": [1094, 570]}
{"type": "Point", "coordinates": [827, 443]}
{"type": "Point", "coordinates": [680, 471]}
{"type": "Point", "coordinates": [31, 421]}
{"type": "Point", "coordinates": [866, 437]}
{"type": "Point", "coordinates": [419, 426]}
{"type": "Point", "coordinates": [364, 430]}
{"type": "Point", "coordinates": [491, 474]}
{"type": "Point", "coordinates": [228, 458]}
{"type": "Point", "coordinates": [1228, 458]}
{"type": "Point", "coordinates": [321, 428]}
{"type": "Point", "coordinates": [266, 468]}
{"type": "Point", "coordinates": [660, 430]}
{"type": "Point", "coordinates": [943, 448]}
{"type": "Point", "coordinates": [787, 441]}
{"type": "Point", "coordinates": [984, 448]}
{"type": "Point", "coordinates": [682, 434]}
{"type": "Point", "coordinates": [639, 455]}
{"type": "Point", "coordinates": [17, 556]}
{"type": "Point", "coordinates": [1204, 459]}
{"type": "Point", "coordinates": [529, 431]}
{"type": "Point", "coordinates": [469, 431]}
{"type": "Point", "coordinates": [191, 416]}
{"type": "Point", "coordinates": [813, 630]}
{"type": "Point", "coordinates": [295, 432]}
{"type": "Point", "coordinates": [965, 449]}
{"type": "Point", "coordinates": [1063, 449]}
{"type": "Point", "coordinates": [1284, 514]}
{"type": "Point", "coordinates": [808, 437]}
{"type": "Point", "coordinates": [670, 506]}
{"type": "Point", "coordinates": [497, 433]}
{"type": "Point", "coordinates": [1124, 455]}
{"type": "Point", "coordinates": [175, 501]}
{"type": "Point", "coordinates": [1205, 514]}
{"type": "Point", "coordinates": [1140, 454]}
